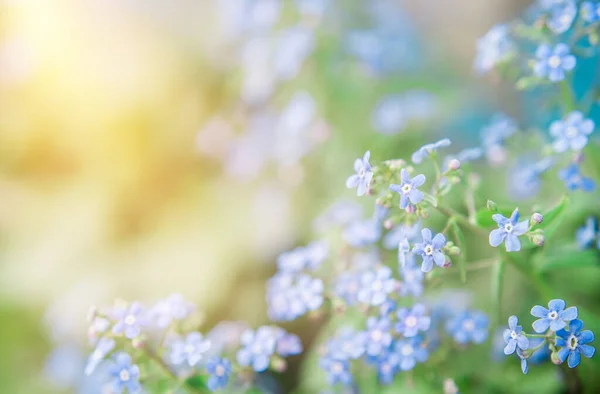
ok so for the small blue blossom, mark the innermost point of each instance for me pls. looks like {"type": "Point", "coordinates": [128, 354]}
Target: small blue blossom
{"type": "Point", "coordinates": [379, 336]}
{"type": "Point", "coordinates": [574, 180]}
{"type": "Point", "coordinates": [468, 326]}
{"type": "Point", "coordinates": [104, 346]}
{"type": "Point", "coordinates": [387, 367]}
{"type": "Point", "coordinates": [571, 133]}
{"type": "Point", "coordinates": [586, 235]}
{"type": "Point", "coordinates": [376, 285]}
{"type": "Point", "coordinates": [388, 307]}
{"type": "Point", "coordinates": [189, 350]}
{"type": "Point", "coordinates": [347, 286]}
{"type": "Point", "coordinates": [287, 344]}
{"type": "Point", "coordinates": [509, 230]}
{"type": "Point", "coordinates": [362, 232]}
{"type": "Point", "coordinates": [411, 321]}
{"type": "Point", "coordinates": [347, 344]}
{"type": "Point", "coordinates": [412, 278]}
{"type": "Point", "coordinates": [430, 250]}
{"type": "Point", "coordinates": [129, 320]}
{"type": "Point", "coordinates": [411, 351]}
{"type": "Point", "coordinates": [257, 348]}
{"type": "Point", "coordinates": [125, 375]}
{"type": "Point", "coordinates": [553, 63]}
{"type": "Point", "coordinates": [561, 16]}
{"type": "Point", "coordinates": [290, 297]}
{"type": "Point", "coordinates": [363, 176]}
{"type": "Point", "coordinates": [219, 370]}
{"type": "Point", "coordinates": [590, 12]}
{"type": "Point", "coordinates": [492, 48]}
{"type": "Point", "coordinates": [339, 213]}
{"type": "Point", "coordinates": [408, 189]}
{"type": "Point", "coordinates": [172, 308]}
{"type": "Point", "coordinates": [514, 337]}
{"type": "Point", "coordinates": [494, 134]}
{"type": "Point", "coordinates": [394, 113]}
{"type": "Point", "coordinates": [525, 177]}
{"type": "Point", "coordinates": [310, 256]}
{"type": "Point", "coordinates": [401, 232]}
{"type": "Point", "coordinates": [555, 317]}
{"type": "Point", "coordinates": [575, 343]}
{"type": "Point", "coordinates": [337, 371]}
{"type": "Point", "coordinates": [428, 149]}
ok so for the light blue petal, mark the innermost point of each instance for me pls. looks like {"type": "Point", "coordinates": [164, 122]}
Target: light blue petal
{"type": "Point", "coordinates": [568, 62]}
{"type": "Point", "coordinates": [497, 237]}
{"type": "Point", "coordinates": [586, 337]}
{"type": "Point", "coordinates": [541, 325]}
{"type": "Point", "coordinates": [418, 180]}
{"type": "Point", "coordinates": [523, 342]}
{"type": "Point", "coordinates": [512, 243]}
{"type": "Point", "coordinates": [570, 314]}
{"type": "Point", "coordinates": [587, 350]}
{"type": "Point", "coordinates": [512, 322]}
{"type": "Point", "coordinates": [539, 311]}
{"type": "Point", "coordinates": [439, 258]}
{"type": "Point", "coordinates": [560, 145]}
{"type": "Point", "coordinates": [563, 354]}
{"type": "Point", "coordinates": [439, 241]}
{"type": "Point", "coordinates": [556, 325]}
{"type": "Point", "coordinates": [415, 196]}
{"type": "Point", "coordinates": [510, 347]}
{"type": "Point", "coordinates": [521, 228]}
{"type": "Point", "coordinates": [362, 189]}
{"type": "Point", "coordinates": [426, 234]}
{"type": "Point", "coordinates": [574, 358]}
{"type": "Point", "coordinates": [352, 181]}
{"type": "Point", "coordinates": [579, 142]}
{"type": "Point", "coordinates": [557, 305]}
{"type": "Point", "coordinates": [427, 264]}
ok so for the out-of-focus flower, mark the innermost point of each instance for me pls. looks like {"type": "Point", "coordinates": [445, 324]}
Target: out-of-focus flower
{"type": "Point", "coordinates": [394, 112]}
{"type": "Point", "coordinates": [561, 16]}
{"type": "Point", "coordinates": [411, 321]}
{"type": "Point", "coordinates": [189, 350]}
{"type": "Point", "coordinates": [257, 348]}
{"type": "Point", "coordinates": [387, 367]}
{"type": "Point", "coordinates": [555, 317]}
{"type": "Point", "coordinates": [362, 232]}
{"type": "Point", "coordinates": [468, 326]}
{"type": "Point", "coordinates": [379, 336]}
{"type": "Point", "coordinates": [347, 344]}
{"type": "Point", "coordinates": [575, 343]}
{"type": "Point", "coordinates": [363, 176]}
{"type": "Point", "coordinates": [411, 352]}
{"type": "Point", "coordinates": [572, 132]}
{"type": "Point", "coordinates": [398, 233]}
{"type": "Point", "coordinates": [125, 375]}
{"type": "Point", "coordinates": [376, 285]}
{"type": "Point", "coordinates": [129, 321]}
{"type": "Point", "coordinates": [587, 233]}
{"type": "Point", "coordinates": [430, 250]}
{"type": "Point", "coordinates": [514, 337]}
{"type": "Point", "coordinates": [509, 230]}
{"type": "Point", "coordinates": [553, 63]}
{"type": "Point", "coordinates": [493, 136]}
{"type": "Point", "coordinates": [219, 370]}
{"type": "Point", "coordinates": [307, 257]}
{"type": "Point", "coordinates": [428, 149]}
{"type": "Point", "coordinates": [173, 308]}
{"type": "Point", "coordinates": [524, 179]}
{"type": "Point", "coordinates": [412, 278]}
{"type": "Point", "coordinates": [290, 297]}
{"type": "Point", "coordinates": [104, 346]}
{"type": "Point", "coordinates": [574, 180]}
{"type": "Point", "coordinates": [287, 344]}
{"type": "Point", "coordinates": [590, 12]}
{"type": "Point", "coordinates": [408, 189]}
{"type": "Point", "coordinates": [337, 371]}
{"type": "Point", "coordinates": [339, 214]}
{"type": "Point", "coordinates": [347, 286]}
{"type": "Point", "coordinates": [492, 48]}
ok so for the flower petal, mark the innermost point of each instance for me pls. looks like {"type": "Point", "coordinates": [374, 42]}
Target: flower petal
{"type": "Point", "coordinates": [426, 234]}
{"type": "Point", "coordinates": [439, 259]}
{"type": "Point", "coordinates": [563, 353]}
{"type": "Point", "coordinates": [556, 325]}
{"type": "Point", "coordinates": [352, 181]}
{"type": "Point", "coordinates": [574, 358]}
{"type": "Point", "coordinates": [587, 350]}
{"type": "Point", "coordinates": [586, 337]}
{"type": "Point", "coordinates": [497, 237]}
{"type": "Point", "coordinates": [523, 342]}
{"type": "Point", "coordinates": [512, 243]}
{"type": "Point", "coordinates": [419, 180]}
{"type": "Point", "coordinates": [427, 264]}
{"type": "Point", "coordinates": [439, 241]}
{"type": "Point", "coordinates": [415, 196]}
{"type": "Point", "coordinates": [539, 311]}
{"type": "Point", "coordinates": [557, 305]}
{"type": "Point", "coordinates": [404, 176]}
{"type": "Point", "coordinates": [512, 322]}
{"type": "Point", "coordinates": [510, 347]}
{"type": "Point", "coordinates": [541, 325]}
{"type": "Point", "coordinates": [521, 228]}
{"type": "Point", "coordinates": [571, 314]}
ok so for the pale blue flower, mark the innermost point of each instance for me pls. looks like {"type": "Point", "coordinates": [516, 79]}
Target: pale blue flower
{"type": "Point", "coordinates": [362, 232]}
{"type": "Point", "coordinates": [430, 250]}
{"type": "Point", "coordinates": [400, 232]}
{"type": "Point", "coordinates": [586, 235]}
{"type": "Point", "coordinates": [363, 176]}
{"type": "Point", "coordinates": [379, 336]}
{"type": "Point", "coordinates": [189, 350]}
{"type": "Point", "coordinates": [590, 12]}
{"type": "Point", "coordinates": [575, 343]}
{"type": "Point", "coordinates": [492, 48]}
{"type": "Point", "coordinates": [257, 348]}
{"type": "Point", "coordinates": [411, 352]}
{"type": "Point", "coordinates": [509, 230]}
{"type": "Point", "coordinates": [572, 132]}
{"type": "Point", "coordinates": [129, 321]}
{"type": "Point", "coordinates": [125, 375]}
{"type": "Point", "coordinates": [412, 278]}
{"type": "Point", "coordinates": [290, 296]}
{"type": "Point", "coordinates": [411, 321]}
{"type": "Point", "coordinates": [337, 371]}
{"type": "Point", "coordinates": [574, 180]}
{"type": "Point", "coordinates": [555, 317]}
{"type": "Point", "coordinates": [524, 179]}
{"type": "Point", "coordinates": [387, 367]}
{"type": "Point", "coordinates": [561, 16]}
{"type": "Point", "coordinates": [347, 344]}
{"type": "Point", "coordinates": [468, 326]}
{"type": "Point", "coordinates": [514, 337]}
{"type": "Point", "coordinates": [428, 149]}
{"type": "Point", "coordinates": [104, 346]}
{"type": "Point", "coordinates": [408, 189]}
{"type": "Point", "coordinates": [376, 284]}
{"type": "Point", "coordinates": [553, 63]}
{"type": "Point", "coordinates": [219, 369]}
{"type": "Point", "coordinates": [347, 286]}
{"type": "Point", "coordinates": [287, 344]}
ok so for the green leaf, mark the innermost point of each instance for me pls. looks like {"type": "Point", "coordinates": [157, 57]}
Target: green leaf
{"type": "Point", "coordinates": [483, 217]}
{"type": "Point", "coordinates": [460, 241]}
{"type": "Point", "coordinates": [567, 258]}
{"type": "Point", "coordinates": [197, 382]}
{"type": "Point", "coordinates": [554, 217]}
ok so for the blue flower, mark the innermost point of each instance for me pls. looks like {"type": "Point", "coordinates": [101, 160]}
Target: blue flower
{"type": "Point", "coordinates": [464, 156]}
{"type": "Point", "coordinates": [428, 149]}
{"type": "Point", "coordinates": [125, 375]}
{"type": "Point", "coordinates": [363, 176]}
{"type": "Point", "coordinates": [347, 344]}
{"type": "Point", "coordinates": [590, 12]}
{"type": "Point", "coordinates": [387, 367]}
{"type": "Point", "coordinates": [219, 369]}
{"type": "Point", "coordinates": [524, 365]}
{"type": "Point", "coordinates": [411, 351]}
{"type": "Point", "coordinates": [492, 48]}
{"type": "Point", "coordinates": [494, 134]}
{"type": "Point", "coordinates": [290, 297]}
{"type": "Point", "coordinates": [129, 320]}
{"type": "Point", "coordinates": [572, 132]}
{"type": "Point", "coordinates": [189, 350]}
{"type": "Point", "coordinates": [561, 16]}
{"type": "Point", "coordinates": [509, 230]}
{"type": "Point", "coordinates": [514, 337]}
{"type": "Point", "coordinates": [411, 321]}
{"type": "Point", "coordinates": [104, 346]}
{"type": "Point", "coordinates": [401, 232]}
{"type": "Point", "coordinates": [575, 343]}
{"type": "Point", "coordinates": [586, 234]}
{"type": "Point", "coordinates": [574, 180]}
{"type": "Point", "coordinates": [165, 311]}
{"type": "Point", "coordinates": [310, 256]}
{"type": "Point", "coordinates": [412, 278]}
{"type": "Point", "coordinates": [347, 286]}
{"type": "Point", "coordinates": [430, 250]}
{"type": "Point", "coordinates": [257, 348]}
{"type": "Point", "coordinates": [339, 213]}
{"type": "Point", "coordinates": [525, 177]}
{"type": "Point", "coordinates": [376, 285]}
{"type": "Point", "coordinates": [408, 189]}
{"type": "Point", "coordinates": [468, 326]}
{"type": "Point", "coordinates": [362, 232]}
{"type": "Point", "coordinates": [379, 336]}
{"type": "Point", "coordinates": [555, 317]}
{"type": "Point", "coordinates": [553, 63]}
{"type": "Point", "coordinates": [287, 344]}
{"type": "Point", "coordinates": [337, 371]}
{"type": "Point", "coordinates": [394, 113]}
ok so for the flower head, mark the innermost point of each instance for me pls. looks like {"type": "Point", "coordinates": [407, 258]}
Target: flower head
{"type": "Point", "coordinates": [411, 351]}
{"type": "Point", "coordinates": [290, 296]}
{"type": "Point", "coordinates": [165, 311]}
{"type": "Point", "coordinates": [347, 344]}
{"type": "Point", "coordinates": [411, 321]}
{"type": "Point", "coordinates": [430, 250]}
{"type": "Point", "coordinates": [257, 348]}
{"type": "Point", "coordinates": [347, 286]}
{"type": "Point", "coordinates": [553, 63]}
{"type": "Point", "coordinates": [428, 149]}
{"type": "Point", "coordinates": [379, 336]}
{"type": "Point", "coordinates": [129, 320]}
{"type": "Point", "coordinates": [468, 326]}
{"type": "Point", "coordinates": [561, 16]}
{"type": "Point", "coordinates": [572, 132]}
{"type": "Point", "coordinates": [590, 12]}
{"type": "Point", "coordinates": [189, 350]}
{"type": "Point", "coordinates": [337, 371]}
{"type": "Point", "coordinates": [555, 317]}
{"type": "Point", "coordinates": [508, 231]}
{"type": "Point", "coordinates": [586, 234]}
{"type": "Point", "coordinates": [387, 367]}
{"type": "Point", "coordinates": [408, 189]}
{"type": "Point", "coordinates": [575, 343]}
{"type": "Point", "coordinates": [125, 375]}
{"type": "Point", "coordinates": [376, 285]}
{"type": "Point", "coordinates": [363, 176]}
{"type": "Point", "coordinates": [492, 48]}
{"type": "Point", "coordinates": [219, 370]}
{"type": "Point", "coordinates": [514, 337]}
{"type": "Point", "coordinates": [574, 180]}
{"type": "Point", "coordinates": [287, 344]}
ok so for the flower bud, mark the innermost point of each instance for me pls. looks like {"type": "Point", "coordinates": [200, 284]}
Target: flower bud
{"type": "Point", "coordinates": [454, 251]}
{"type": "Point", "coordinates": [538, 239]}
{"type": "Point", "coordinates": [137, 343]}
{"type": "Point", "coordinates": [537, 218]}
{"type": "Point", "coordinates": [491, 206]}
{"type": "Point", "coordinates": [278, 364]}
{"type": "Point", "coordinates": [454, 164]}
{"type": "Point", "coordinates": [447, 263]}
{"type": "Point", "coordinates": [388, 224]}
{"type": "Point", "coordinates": [555, 359]}
{"type": "Point", "coordinates": [410, 209]}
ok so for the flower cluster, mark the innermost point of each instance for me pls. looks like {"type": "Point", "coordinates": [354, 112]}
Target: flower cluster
{"type": "Point", "coordinates": [560, 330]}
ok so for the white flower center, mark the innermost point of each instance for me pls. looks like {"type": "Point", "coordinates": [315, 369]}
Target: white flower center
{"type": "Point", "coordinates": [571, 132]}
{"type": "Point", "coordinates": [376, 335]}
{"type": "Point", "coordinates": [257, 348]}
{"type": "Point", "coordinates": [406, 350]}
{"type": "Point", "coordinates": [514, 335]}
{"type": "Point", "coordinates": [428, 250]}
{"type": "Point", "coordinates": [508, 228]}
{"type": "Point", "coordinates": [554, 61]}
{"type": "Point", "coordinates": [385, 368]}
{"type": "Point", "coordinates": [410, 321]}
{"type": "Point", "coordinates": [361, 173]}
{"type": "Point", "coordinates": [124, 375]}
{"type": "Point", "coordinates": [552, 315]}
{"type": "Point", "coordinates": [220, 370]}
{"type": "Point", "coordinates": [468, 325]}
{"type": "Point", "coordinates": [130, 320]}
{"type": "Point", "coordinates": [572, 342]}
{"type": "Point", "coordinates": [406, 188]}
{"type": "Point", "coordinates": [337, 367]}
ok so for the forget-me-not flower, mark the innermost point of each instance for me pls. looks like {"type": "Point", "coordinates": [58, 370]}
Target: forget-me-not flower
{"type": "Point", "coordinates": [492, 48]}
{"type": "Point", "coordinates": [430, 250]}
{"type": "Point", "coordinates": [508, 231]}
{"type": "Point", "coordinates": [189, 350]}
{"type": "Point", "coordinates": [363, 176]}
{"type": "Point", "coordinates": [574, 180]}
{"type": "Point", "coordinates": [555, 317]}
{"type": "Point", "coordinates": [412, 278]}
{"type": "Point", "coordinates": [387, 367]}
{"type": "Point", "coordinates": [586, 234]}
{"type": "Point", "coordinates": [468, 326]}
{"type": "Point", "coordinates": [379, 336]}
{"type": "Point", "coordinates": [590, 12]}
{"type": "Point", "coordinates": [514, 337]}
{"type": "Point", "coordinates": [553, 63]}
{"type": "Point", "coordinates": [337, 371]}
{"type": "Point", "coordinates": [411, 321]}
{"type": "Point", "coordinates": [572, 132]}
{"type": "Point", "coordinates": [575, 343]}
{"type": "Point", "coordinates": [561, 16]}
{"type": "Point", "coordinates": [411, 352]}
{"type": "Point", "coordinates": [287, 344]}
{"type": "Point", "coordinates": [408, 189]}
{"type": "Point", "coordinates": [428, 149]}
{"type": "Point", "coordinates": [257, 348]}
{"type": "Point", "coordinates": [129, 320]}
{"type": "Point", "coordinates": [125, 375]}
{"type": "Point", "coordinates": [347, 344]}
{"type": "Point", "coordinates": [376, 285]}
{"type": "Point", "coordinates": [104, 346]}
{"type": "Point", "coordinates": [347, 286]}
{"type": "Point", "coordinates": [400, 232]}
{"type": "Point", "coordinates": [219, 369]}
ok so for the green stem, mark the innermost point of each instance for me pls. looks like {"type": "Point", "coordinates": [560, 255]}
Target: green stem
{"type": "Point", "coordinates": [154, 357]}
{"type": "Point", "coordinates": [534, 335]}
{"type": "Point", "coordinates": [449, 212]}
{"type": "Point", "coordinates": [497, 275]}
{"type": "Point", "coordinates": [567, 96]}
